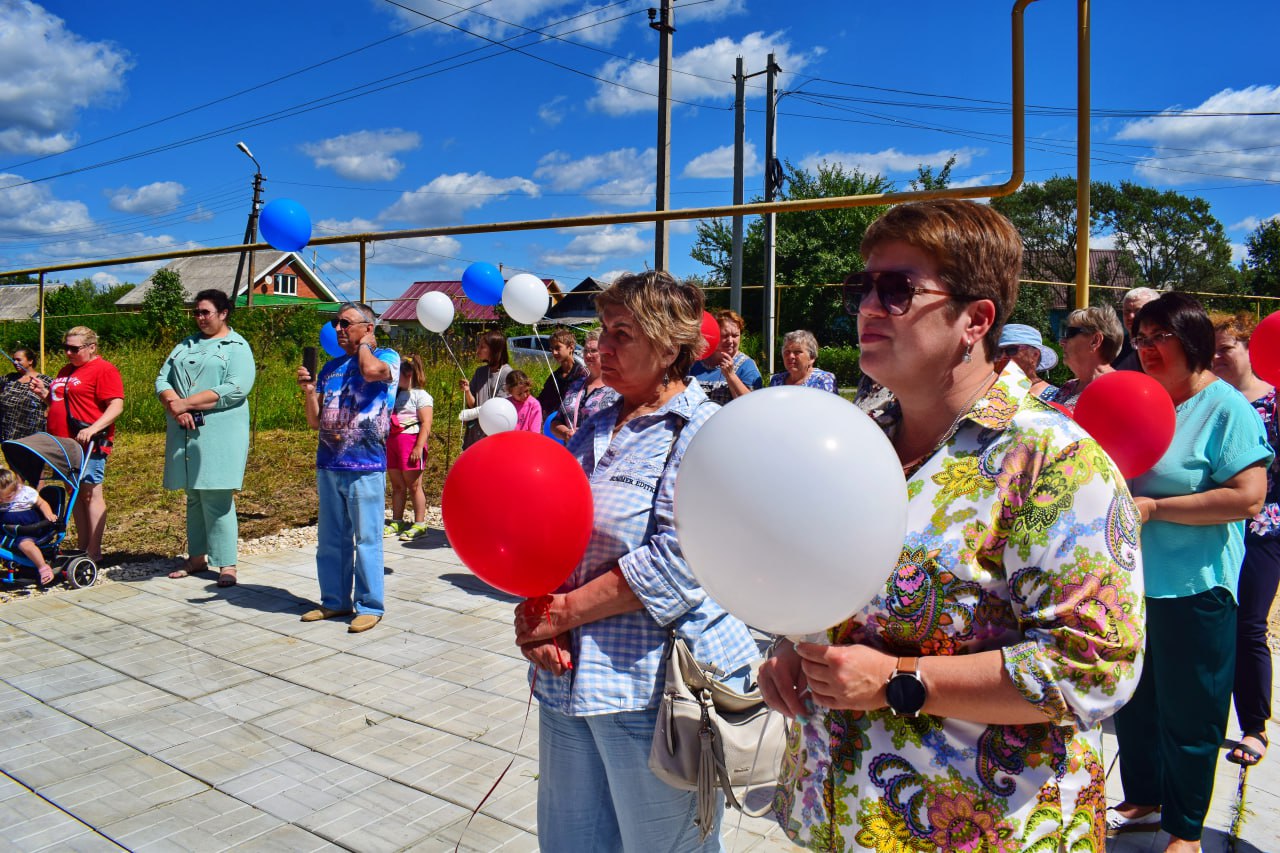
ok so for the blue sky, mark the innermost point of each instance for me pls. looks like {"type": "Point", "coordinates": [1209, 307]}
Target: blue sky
{"type": "Point", "coordinates": [118, 119]}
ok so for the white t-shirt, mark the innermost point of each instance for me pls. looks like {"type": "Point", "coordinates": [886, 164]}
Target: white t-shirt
{"type": "Point", "coordinates": [23, 500]}
{"type": "Point", "coordinates": [408, 401]}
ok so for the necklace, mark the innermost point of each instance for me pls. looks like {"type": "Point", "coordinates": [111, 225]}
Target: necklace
{"type": "Point", "coordinates": [908, 467]}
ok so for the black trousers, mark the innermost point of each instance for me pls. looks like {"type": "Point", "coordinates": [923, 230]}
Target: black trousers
{"type": "Point", "coordinates": [1259, 578]}
{"type": "Point", "coordinates": [1171, 729]}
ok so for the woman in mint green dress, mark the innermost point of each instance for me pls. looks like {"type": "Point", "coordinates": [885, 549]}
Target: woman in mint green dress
{"type": "Point", "coordinates": [204, 385]}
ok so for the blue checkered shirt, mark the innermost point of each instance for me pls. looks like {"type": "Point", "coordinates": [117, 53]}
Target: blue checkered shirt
{"type": "Point", "coordinates": [617, 661]}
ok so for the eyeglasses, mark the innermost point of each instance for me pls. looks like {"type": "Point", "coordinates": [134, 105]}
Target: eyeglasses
{"type": "Point", "coordinates": [70, 348]}
{"type": "Point", "coordinates": [892, 287]}
{"type": "Point", "coordinates": [1011, 350]}
{"type": "Point", "coordinates": [1071, 331]}
{"type": "Point", "coordinates": [1149, 341]}
{"type": "Point", "coordinates": [344, 323]}
{"type": "Point", "coordinates": [203, 312]}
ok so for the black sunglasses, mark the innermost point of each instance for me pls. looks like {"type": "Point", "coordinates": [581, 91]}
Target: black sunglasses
{"type": "Point", "coordinates": [893, 288]}
{"type": "Point", "coordinates": [1071, 331]}
{"type": "Point", "coordinates": [70, 348]}
{"type": "Point", "coordinates": [1010, 350]}
{"type": "Point", "coordinates": [345, 323]}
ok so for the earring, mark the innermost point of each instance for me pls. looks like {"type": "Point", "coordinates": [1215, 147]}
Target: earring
{"type": "Point", "coordinates": [968, 354]}
{"type": "Point", "coordinates": [666, 380]}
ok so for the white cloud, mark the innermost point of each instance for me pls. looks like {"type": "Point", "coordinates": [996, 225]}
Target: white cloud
{"type": "Point", "coordinates": [488, 18]}
{"type": "Point", "coordinates": [1235, 145]}
{"type": "Point", "coordinates": [1239, 251]}
{"type": "Point", "coordinates": [708, 74]}
{"type": "Point", "coordinates": [104, 280]}
{"type": "Point", "coordinates": [200, 214]}
{"type": "Point", "coordinates": [32, 210]}
{"type": "Point", "coordinates": [1251, 223]}
{"type": "Point", "coordinates": [159, 197]}
{"type": "Point", "coordinates": [709, 10]}
{"type": "Point", "coordinates": [431, 252]}
{"type": "Point", "coordinates": [610, 277]}
{"type": "Point", "coordinates": [365, 155]}
{"type": "Point", "coordinates": [552, 112]}
{"type": "Point", "coordinates": [49, 74]}
{"type": "Point", "coordinates": [593, 247]}
{"type": "Point", "coordinates": [890, 160]}
{"type": "Point", "coordinates": [447, 198]}
{"type": "Point", "coordinates": [718, 162]}
{"type": "Point", "coordinates": [624, 177]}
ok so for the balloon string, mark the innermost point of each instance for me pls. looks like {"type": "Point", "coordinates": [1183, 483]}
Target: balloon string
{"type": "Point", "coordinates": [546, 355]}
{"type": "Point", "coordinates": [454, 357]}
{"type": "Point", "coordinates": [533, 682]}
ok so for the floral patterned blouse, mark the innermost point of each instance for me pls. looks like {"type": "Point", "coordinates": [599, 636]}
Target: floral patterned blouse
{"type": "Point", "coordinates": [1021, 536]}
{"type": "Point", "coordinates": [1267, 522]}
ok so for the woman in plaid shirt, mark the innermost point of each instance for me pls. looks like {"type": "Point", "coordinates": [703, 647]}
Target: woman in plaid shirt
{"type": "Point", "coordinates": [597, 644]}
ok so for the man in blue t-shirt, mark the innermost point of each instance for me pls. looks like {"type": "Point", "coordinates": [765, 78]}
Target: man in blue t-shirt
{"type": "Point", "coordinates": [350, 404]}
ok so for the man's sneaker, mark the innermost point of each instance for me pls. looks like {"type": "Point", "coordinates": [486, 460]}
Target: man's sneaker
{"type": "Point", "coordinates": [393, 528]}
{"type": "Point", "coordinates": [414, 531]}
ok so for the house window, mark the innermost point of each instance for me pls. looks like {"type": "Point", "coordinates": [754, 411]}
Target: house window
{"type": "Point", "coordinates": [286, 285]}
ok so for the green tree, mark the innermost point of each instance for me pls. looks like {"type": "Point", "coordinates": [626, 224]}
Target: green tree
{"type": "Point", "coordinates": [1045, 216]}
{"type": "Point", "coordinates": [1174, 239]}
{"type": "Point", "coordinates": [165, 306]}
{"type": "Point", "coordinates": [1261, 271]}
{"type": "Point", "coordinates": [813, 248]}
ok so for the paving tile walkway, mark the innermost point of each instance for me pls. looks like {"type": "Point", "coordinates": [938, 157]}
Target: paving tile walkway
{"type": "Point", "coordinates": [171, 715]}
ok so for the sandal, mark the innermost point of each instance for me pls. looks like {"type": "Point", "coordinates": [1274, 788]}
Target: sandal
{"type": "Point", "coordinates": [227, 576]}
{"type": "Point", "coordinates": [1248, 756]}
{"type": "Point", "coordinates": [1118, 823]}
{"type": "Point", "coordinates": [187, 571]}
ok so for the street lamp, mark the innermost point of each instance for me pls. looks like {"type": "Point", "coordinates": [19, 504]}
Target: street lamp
{"type": "Point", "coordinates": [250, 231]}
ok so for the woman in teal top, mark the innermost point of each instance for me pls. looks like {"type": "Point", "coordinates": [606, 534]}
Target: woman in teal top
{"type": "Point", "coordinates": [1193, 504]}
{"type": "Point", "coordinates": [204, 385]}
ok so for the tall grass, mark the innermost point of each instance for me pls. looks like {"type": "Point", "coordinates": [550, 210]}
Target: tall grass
{"type": "Point", "coordinates": [276, 401]}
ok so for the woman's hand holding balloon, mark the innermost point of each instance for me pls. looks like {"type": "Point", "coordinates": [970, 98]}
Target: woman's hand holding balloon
{"type": "Point", "coordinates": [850, 678]}
{"type": "Point", "coordinates": [783, 684]}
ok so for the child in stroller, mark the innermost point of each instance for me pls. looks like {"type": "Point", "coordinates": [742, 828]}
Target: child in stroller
{"type": "Point", "coordinates": [22, 505]}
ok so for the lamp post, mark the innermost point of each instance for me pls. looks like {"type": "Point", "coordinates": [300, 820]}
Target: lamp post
{"type": "Point", "coordinates": [250, 232]}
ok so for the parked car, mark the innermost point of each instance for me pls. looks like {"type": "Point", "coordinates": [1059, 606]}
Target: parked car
{"type": "Point", "coordinates": [535, 347]}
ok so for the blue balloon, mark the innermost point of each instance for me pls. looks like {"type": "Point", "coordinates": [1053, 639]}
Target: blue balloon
{"type": "Point", "coordinates": [329, 340]}
{"type": "Point", "coordinates": [483, 284]}
{"type": "Point", "coordinates": [285, 225]}
{"type": "Point", "coordinates": [546, 429]}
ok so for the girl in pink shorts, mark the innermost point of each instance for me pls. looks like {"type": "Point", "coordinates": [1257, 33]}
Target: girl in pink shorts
{"type": "Point", "coordinates": [407, 450]}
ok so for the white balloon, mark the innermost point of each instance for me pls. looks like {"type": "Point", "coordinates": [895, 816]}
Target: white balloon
{"type": "Point", "coordinates": [791, 509]}
{"type": "Point", "coordinates": [526, 299]}
{"type": "Point", "coordinates": [497, 415]}
{"type": "Point", "coordinates": [435, 311]}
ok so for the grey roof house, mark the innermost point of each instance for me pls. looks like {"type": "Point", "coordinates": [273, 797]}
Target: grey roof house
{"type": "Point", "coordinates": [22, 301]}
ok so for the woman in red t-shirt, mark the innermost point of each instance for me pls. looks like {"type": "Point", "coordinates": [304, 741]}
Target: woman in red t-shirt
{"type": "Point", "coordinates": [84, 400]}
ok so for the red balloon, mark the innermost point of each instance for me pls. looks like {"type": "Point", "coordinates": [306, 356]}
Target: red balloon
{"type": "Point", "coordinates": [1264, 349]}
{"type": "Point", "coordinates": [1131, 416]}
{"type": "Point", "coordinates": [519, 551]}
{"type": "Point", "coordinates": [710, 334]}
{"type": "Point", "coordinates": [1063, 409]}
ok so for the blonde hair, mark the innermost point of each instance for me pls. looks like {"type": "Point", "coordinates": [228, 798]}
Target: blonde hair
{"type": "Point", "coordinates": [668, 313]}
{"type": "Point", "coordinates": [1102, 319]}
{"type": "Point", "coordinates": [89, 335]}
{"type": "Point", "coordinates": [416, 370]}
{"type": "Point", "coordinates": [8, 479]}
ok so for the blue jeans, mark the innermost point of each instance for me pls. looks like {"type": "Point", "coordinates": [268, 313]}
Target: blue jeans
{"type": "Point", "coordinates": [595, 790]}
{"type": "Point", "coordinates": [349, 538]}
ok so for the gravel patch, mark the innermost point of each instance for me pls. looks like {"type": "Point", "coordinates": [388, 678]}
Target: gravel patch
{"type": "Point", "coordinates": [285, 540]}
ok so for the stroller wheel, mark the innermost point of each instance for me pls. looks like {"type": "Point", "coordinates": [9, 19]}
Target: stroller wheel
{"type": "Point", "coordinates": [81, 572]}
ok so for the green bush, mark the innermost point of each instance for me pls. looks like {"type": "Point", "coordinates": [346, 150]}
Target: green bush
{"type": "Point", "coordinates": [843, 362]}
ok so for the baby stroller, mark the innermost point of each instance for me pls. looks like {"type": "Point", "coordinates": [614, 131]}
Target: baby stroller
{"type": "Point", "coordinates": [63, 460]}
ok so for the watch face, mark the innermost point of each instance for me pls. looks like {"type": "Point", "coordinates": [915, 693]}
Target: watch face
{"type": "Point", "coordinates": [906, 694]}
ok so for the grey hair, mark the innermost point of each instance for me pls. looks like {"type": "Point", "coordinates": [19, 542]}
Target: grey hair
{"type": "Point", "coordinates": [1102, 319]}
{"type": "Point", "coordinates": [1144, 293]}
{"type": "Point", "coordinates": [805, 338]}
{"type": "Point", "coordinates": [593, 334]}
{"type": "Point", "coordinates": [360, 308]}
